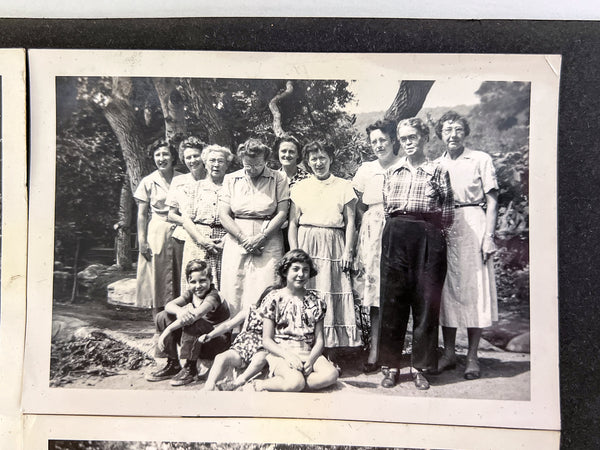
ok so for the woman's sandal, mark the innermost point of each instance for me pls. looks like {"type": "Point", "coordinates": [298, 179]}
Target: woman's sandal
{"type": "Point", "coordinates": [472, 371]}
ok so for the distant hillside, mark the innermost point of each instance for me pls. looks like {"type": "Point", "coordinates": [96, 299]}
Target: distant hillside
{"type": "Point", "coordinates": [363, 120]}
{"type": "Point", "coordinates": [435, 147]}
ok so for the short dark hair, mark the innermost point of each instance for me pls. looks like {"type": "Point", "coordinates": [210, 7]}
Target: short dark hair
{"type": "Point", "coordinates": [288, 138]}
{"type": "Point", "coordinates": [291, 257]}
{"type": "Point", "coordinates": [451, 116]}
{"type": "Point", "coordinates": [197, 265]}
{"type": "Point", "coordinates": [191, 142]}
{"type": "Point", "coordinates": [314, 147]}
{"type": "Point", "coordinates": [417, 124]}
{"type": "Point", "coordinates": [253, 148]}
{"type": "Point", "coordinates": [161, 143]}
{"type": "Point", "coordinates": [387, 127]}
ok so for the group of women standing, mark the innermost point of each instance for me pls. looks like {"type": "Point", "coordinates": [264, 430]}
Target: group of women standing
{"type": "Point", "coordinates": [403, 207]}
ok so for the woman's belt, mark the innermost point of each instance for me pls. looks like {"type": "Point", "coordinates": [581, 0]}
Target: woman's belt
{"type": "Point", "coordinates": [409, 215]}
{"type": "Point", "coordinates": [320, 226]}
{"type": "Point", "coordinates": [464, 205]}
{"type": "Point", "coordinates": [253, 217]}
{"type": "Point", "coordinates": [212, 224]}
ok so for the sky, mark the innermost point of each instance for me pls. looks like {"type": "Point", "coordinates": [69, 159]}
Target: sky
{"type": "Point", "coordinates": [378, 97]}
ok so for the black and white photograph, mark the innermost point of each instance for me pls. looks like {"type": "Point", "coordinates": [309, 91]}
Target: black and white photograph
{"type": "Point", "coordinates": [300, 230]}
{"type": "Point", "coordinates": [135, 433]}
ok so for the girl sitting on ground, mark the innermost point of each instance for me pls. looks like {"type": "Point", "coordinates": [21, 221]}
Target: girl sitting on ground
{"type": "Point", "coordinates": [293, 330]}
{"type": "Point", "coordinates": [245, 352]}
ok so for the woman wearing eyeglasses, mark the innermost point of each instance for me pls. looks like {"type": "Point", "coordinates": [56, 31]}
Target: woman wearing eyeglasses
{"type": "Point", "coordinates": [469, 295]}
{"type": "Point", "coordinates": [254, 203]}
{"type": "Point", "coordinates": [419, 208]}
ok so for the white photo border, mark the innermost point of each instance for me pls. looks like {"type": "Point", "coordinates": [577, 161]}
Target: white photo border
{"type": "Point", "coordinates": [40, 429]}
{"type": "Point", "coordinates": [14, 242]}
{"type": "Point", "coordinates": [543, 71]}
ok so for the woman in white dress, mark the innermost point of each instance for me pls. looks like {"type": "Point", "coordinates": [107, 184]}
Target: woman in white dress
{"type": "Point", "coordinates": [368, 184]}
{"type": "Point", "coordinates": [157, 281]}
{"type": "Point", "coordinates": [322, 224]}
{"type": "Point", "coordinates": [253, 204]}
{"type": "Point", "coordinates": [469, 294]}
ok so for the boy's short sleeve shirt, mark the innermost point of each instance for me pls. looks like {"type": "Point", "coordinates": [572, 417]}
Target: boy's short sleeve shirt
{"type": "Point", "coordinates": [219, 311]}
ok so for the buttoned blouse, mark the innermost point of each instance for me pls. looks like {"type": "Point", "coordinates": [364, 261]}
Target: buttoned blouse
{"type": "Point", "coordinates": [472, 175]}
{"type": "Point", "coordinates": [153, 189]}
{"type": "Point", "coordinates": [424, 190]}
{"type": "Point", "coordinates": [369, 181]}
{"type": "Point", "coordinates": [321, 202]}
{"type": "Point", "coordinates": [259, 198]}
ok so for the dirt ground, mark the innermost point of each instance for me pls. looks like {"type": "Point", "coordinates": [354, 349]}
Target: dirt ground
{"type": "Point", "coordinates": [505, 375]}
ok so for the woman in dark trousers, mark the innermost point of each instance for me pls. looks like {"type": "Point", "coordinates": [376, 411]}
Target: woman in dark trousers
{"type": "Point", "coordinates": [419, 207]}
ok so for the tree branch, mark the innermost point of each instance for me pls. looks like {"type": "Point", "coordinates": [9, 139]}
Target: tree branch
{"type": "Point", "coordinates": [274, 107]}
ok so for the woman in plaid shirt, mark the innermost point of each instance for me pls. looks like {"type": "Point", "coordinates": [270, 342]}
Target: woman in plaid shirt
{"type": "Point", "coordinates": [419, 208]}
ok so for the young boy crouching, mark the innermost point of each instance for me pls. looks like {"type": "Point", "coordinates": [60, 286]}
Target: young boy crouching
{"type": "Point", "coordinates": [194, 313]}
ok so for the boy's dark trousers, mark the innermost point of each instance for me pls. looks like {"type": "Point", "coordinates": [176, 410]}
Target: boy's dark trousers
{"type": "Point", "coordinates": [187, 336]}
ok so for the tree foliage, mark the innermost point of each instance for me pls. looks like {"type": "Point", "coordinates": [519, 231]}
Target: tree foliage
{"type": "Point", "coordinates": [106, 123]}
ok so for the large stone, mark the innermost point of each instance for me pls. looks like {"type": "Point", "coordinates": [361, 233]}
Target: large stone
{"type": "Point", "coordinates": [88, 275]}
{"type": "Point", "coordinates": [122, 292]}
{"type": "Point", "coordinates": [520, 343]}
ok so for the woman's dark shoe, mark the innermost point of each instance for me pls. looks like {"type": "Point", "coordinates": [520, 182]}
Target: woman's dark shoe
{"type": "Point", "coordinates": [421, 382]}
{"type": "Point", "coordinates": [390, 377]}
{"type": "Point", "coordinates": [168, 371]}
{"type": "Point", "coordinates": [370, 367]}
{"type": "Point", "coordinates": [472, 371]}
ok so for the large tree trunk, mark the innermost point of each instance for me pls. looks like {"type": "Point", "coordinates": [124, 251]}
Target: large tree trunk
{"type": "Point", "coordinates": [172, 106]}
{"type": "Point", "coordinates": [202, 105]}
{"type": "Point", "coordinates": [119, 113]}
{"type": "Point", "coordinates": [409, 100]}
{"type": "Point", "coordinates": [123, 240]}
{"type": "Point", "coordinates": [274, 107]}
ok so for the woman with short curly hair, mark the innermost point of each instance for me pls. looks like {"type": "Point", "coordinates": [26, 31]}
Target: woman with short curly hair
{"type": "Point", "coordinates": [156, 278]}
{"type": "Point", "coordinates": [253, 205]}
{"type": "Point", "coordinates": [322, 224]}
{"type": "Point", "coordinates": [469, 296]}
{"type": "Point", "coordinates": [200, 217]}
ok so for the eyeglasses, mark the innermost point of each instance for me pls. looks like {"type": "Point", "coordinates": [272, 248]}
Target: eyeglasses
{"type": "Point", "coordinates": [457, 130]}
{"type": "Point", "coordinates": [410, 137]}
{"type": "Point", "coordinates": [253, 166]}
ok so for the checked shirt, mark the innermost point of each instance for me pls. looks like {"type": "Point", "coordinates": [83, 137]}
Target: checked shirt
{"type": "Point", "coordinates": [424, 190]}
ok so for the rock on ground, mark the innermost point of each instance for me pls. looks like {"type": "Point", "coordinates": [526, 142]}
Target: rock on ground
{"type": "Point", "coordinates": [519, 344]}
{"type": "Point", "coordinates": [122, 292]}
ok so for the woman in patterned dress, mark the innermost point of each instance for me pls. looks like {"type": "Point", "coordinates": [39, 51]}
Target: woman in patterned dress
{"type": "Point", "coordinates": [254, 203]}
{"type": "Point", "coordinates": [368, 184]}
{"type": "Point", "coordinates": [157, 283]}
{"type": "Point", "coordinates": [200, 218]}
{"type": "Point", "coordinates": [469, 294]}
{"type": "Point", "coordinates": [181, 197]}
{"type": "Point", "coordinates": [322, 224]}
